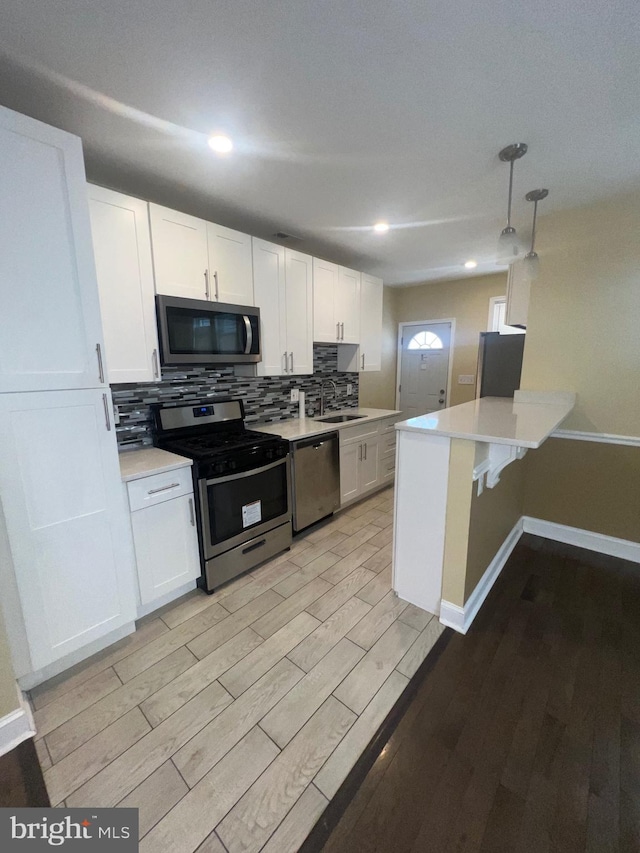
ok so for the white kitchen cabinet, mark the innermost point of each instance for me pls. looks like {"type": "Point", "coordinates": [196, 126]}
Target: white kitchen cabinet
{"type": "Point", "coordinates": [283, 290]}
{"type": "Point", "coordinates": [50, 328]}
{"type": "Point", "coordinates": [164, 533]}
{"type": "Point", "coordinates": [367, 356]}
{"type": "Point", "coordinates": [66, 519]}
{"type": "Point", "coordinates": [359, 449]}
{"type": "Point", "coordinates": [122, 249]}
{"type": "Point", "coordinates": [180, 253]}
{"type": "Point", "coordinates": [230, 265]}
{"type": "Point", "coordinates": [336, 303]}
{"type": "Point", "coordinates": [196, 259]}
{"type": "Point", "coordinates": [518, 290]}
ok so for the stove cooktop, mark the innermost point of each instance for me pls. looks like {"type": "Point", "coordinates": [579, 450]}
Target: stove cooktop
{"type": "Point", "coordinates": [204, 446]}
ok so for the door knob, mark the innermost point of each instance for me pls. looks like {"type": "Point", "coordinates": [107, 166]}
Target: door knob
{"type": "Point", "coordinates": [442, 390]}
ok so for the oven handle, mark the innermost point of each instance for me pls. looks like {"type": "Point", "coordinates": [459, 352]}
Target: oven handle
{"type": "Point", "coordinates": [249, 330]}
{"type": "Point", "coordinates": [245, 473]}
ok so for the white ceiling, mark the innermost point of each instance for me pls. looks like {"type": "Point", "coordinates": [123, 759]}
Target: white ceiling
{"type": "Point", "coordinates": [342, 113]}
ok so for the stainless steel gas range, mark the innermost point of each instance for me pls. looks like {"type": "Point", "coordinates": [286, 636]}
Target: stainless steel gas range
{"type": "Point", "coordinates": [242, 484]}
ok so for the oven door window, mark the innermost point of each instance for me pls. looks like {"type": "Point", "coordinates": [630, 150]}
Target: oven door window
{"type": "Point", "coordinates": [234, 507]}
{"type": "Point", "coordinates": [193, 332]}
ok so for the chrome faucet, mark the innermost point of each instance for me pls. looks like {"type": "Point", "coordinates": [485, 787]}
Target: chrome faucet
{"type": "Point", "coordinates": [335, 393]}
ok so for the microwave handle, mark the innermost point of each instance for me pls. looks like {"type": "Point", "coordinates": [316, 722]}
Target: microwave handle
{"type": "Point", "coordinates": [249, 331]}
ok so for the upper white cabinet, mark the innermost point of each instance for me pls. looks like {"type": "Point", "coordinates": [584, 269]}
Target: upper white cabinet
{"type": "Point", "coordinates": [283, 289]}
{"type": "Point", "coordinates": [518, 289]}
{"type": "Point", "coordinates": [200, 260]}
{"type": "Point", "coordinates": [368, 355]}
{"type": "Point", "coordinates": [180, 253]}
{"type": "Point", "coordinates": [66, 519]}
{"type": "Point", "coordinates": [122, 248]}
{"type": "Point", "coordinates": [336, 303]}
{"type": "Point", "coordinates": [230, 265]}
{"type": "Point", "coordinates": [50, 329]}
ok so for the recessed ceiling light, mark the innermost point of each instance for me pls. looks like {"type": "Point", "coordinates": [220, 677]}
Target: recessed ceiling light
{"type": "Point", "coordinates": [471, 265]}
{"type": "Point", "coordinates": [381, 227]}
{"type": "Point", "coordinates": [220, 144]}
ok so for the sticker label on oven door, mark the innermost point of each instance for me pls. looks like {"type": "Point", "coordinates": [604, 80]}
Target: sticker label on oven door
{"type": "Point", "coordinates": [251, 513]}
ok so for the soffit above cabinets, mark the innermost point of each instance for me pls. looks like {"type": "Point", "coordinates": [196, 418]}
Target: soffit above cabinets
{"type": "Point", "coordinates": [341, 114]}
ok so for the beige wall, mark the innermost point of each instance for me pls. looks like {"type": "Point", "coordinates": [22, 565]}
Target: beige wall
{"type": "Point", "coordinates": [378, 389]}
{"type": "Point", "coordinates": [467, 300]}
{"type": "Point", "coordinates": [8, 691]}
{"type": "Point", "coordinates": [583, 332]}
{"type": "Point", "coordinates": [587, 485]}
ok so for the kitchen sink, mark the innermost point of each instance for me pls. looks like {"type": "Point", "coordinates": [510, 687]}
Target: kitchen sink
{"type": "Point", "coordinates": [339, 419]}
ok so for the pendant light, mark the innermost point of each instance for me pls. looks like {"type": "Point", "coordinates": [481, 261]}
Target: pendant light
{"type": "Point", "coordinates": [508, 243]}
{"type": "Point", "coordinates": [531, 262]}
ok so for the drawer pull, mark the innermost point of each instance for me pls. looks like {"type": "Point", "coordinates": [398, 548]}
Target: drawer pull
{"type": "Point", "coordinates": [191, 515]}
{"type": "Point", "coordinates": [254, 546]}
{"type": "Point", "coordinates": [163, 488]}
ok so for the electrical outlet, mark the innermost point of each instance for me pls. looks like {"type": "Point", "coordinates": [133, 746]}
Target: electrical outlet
{"type": "Point", "coordinates": [349, 390]}
{"type": "Point", "coordinates": [295, 395]}
{"type": "Point", "coordinates": [467, 379]}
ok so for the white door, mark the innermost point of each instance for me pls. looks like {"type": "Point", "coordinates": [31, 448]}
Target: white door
{"type": "Point", "coordinates": [122, 249]}
{"type": "Point", "coordinates": [50, 327]}
{"type": "Point", "coordinates": [370, 323]}
{"type": "Point", "coordinates": [269, 293]}
{"type": "Point", "coordinates": [66, 519]}
{"type": "Point", "coordinates": [299, 310]}
{"type": "Point", "coordinates": [166, 546]}
{"type": "Point", "coordinates": [424, 368]}
{"type": "Point", "coordinates": [325, 285]}
{"type": "Point", "coordinates": [230, 265]}
{"type": "Point", "coordinates": [347, 305]}
{"type": "Point", "coordinates": [180, 254]}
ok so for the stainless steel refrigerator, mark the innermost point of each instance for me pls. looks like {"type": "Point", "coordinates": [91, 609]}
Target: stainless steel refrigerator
{"type": "Point", "coordinates": [499, 364]}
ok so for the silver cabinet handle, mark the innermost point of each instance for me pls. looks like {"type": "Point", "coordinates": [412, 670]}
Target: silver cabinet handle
{"type": "Point", "coordinates": [363, 361]}
{"type": "Point", "coordinates": [337, 331]}
{"type": "Point", "coordinates": [360, 457]}
{"type": "Point", "coordinates": [342, 335]}
{"type": "Point", "coordinates": [215, 279]}
{"type": "Point", "coordinates": [163, 488]}
{"type": "Point", "coordinates": [107, 419]}
{"type": "Point", "coordinates": [365, 451]}
{"type": "Point", "coordinates": [206, 284]}
{"type": "Point", "coordinates": [156, 367]}
{"type": "Point", "coordinates": [100, 365]}
{"type": "Point", "coordinates": [286, 363]}
{"type": "Point", "coordinates": [291, 360]}
{"type": "Point", "coordinates": [191, 515]}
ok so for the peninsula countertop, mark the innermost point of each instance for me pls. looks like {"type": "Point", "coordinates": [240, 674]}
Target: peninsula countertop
{"type": "Point", "coordinates": [295, 428]}
{"type": "Point", "coordinates": [525, 421]}
{"type": "Point", "coordinates": [135, 464]}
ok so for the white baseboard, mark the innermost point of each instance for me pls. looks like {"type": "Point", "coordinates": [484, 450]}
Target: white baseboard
{"type": "Point", "coordinates": [460, 618]}
{"type": "Point", "coordinates": [622, 548]}
{"type": "Point", "coordinates": [16, 727]}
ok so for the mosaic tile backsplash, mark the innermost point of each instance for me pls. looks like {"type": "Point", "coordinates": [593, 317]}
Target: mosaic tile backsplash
{"type": "Point", "coordinates": [266, 399]}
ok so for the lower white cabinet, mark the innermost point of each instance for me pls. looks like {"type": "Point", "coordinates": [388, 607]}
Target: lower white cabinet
{"type": "Point", "coordinates": [66, 521]}
{"type": "Point", "coordinates": [367, 458]}
{"type": "Point", "coordinates": [164, 533]}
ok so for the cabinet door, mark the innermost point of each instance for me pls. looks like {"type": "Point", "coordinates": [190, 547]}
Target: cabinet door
{"type": "Point", "coordinates": [230, 265]}
{"type": "Point", "coordinates": [66, 519]}
{"type": "Point", "coordinates": [122, 249]}
{"type": "Point", "coordinates": [269, 292]}
{"type": "Point", "coordinates": [49, 310]}
{"type": "Point", "coordinates": [166, 545]}
{"type": "Point", "coordinates": [368, 471]}
{"type": "Point", "coordinates": [299, 311]}
{"type": "Point", "coordinates": [347, 305]}
{"type": "Point", "coordinates": [325, 285]}
{"type": "Point", "coordinates": [349, 464]}
{"type": "Point", "coordinates": [180, 255]}
{"type": "Point", "coordinates": [370, 323]}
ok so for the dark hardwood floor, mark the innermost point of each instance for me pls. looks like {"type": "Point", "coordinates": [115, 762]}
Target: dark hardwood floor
{"type": "Point", "coordinates": [525, 734]}
{"type": "Point", "coordinates": [21, 780]}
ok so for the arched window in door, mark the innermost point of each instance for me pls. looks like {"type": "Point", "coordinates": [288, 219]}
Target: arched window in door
{"type": "Point", "coordinates": [425, 340]}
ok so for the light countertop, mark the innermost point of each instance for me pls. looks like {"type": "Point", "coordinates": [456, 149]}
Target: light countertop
{"type": "Point", "coordinates": [498, 420]}
{"type": "Point", "coordinates": [135, 464]}
{"type": "Point", "coordinates": [296, 428]}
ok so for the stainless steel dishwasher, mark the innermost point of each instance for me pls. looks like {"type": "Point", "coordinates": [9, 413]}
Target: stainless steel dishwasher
{"type": "Point", "coordinates": [315, 465]}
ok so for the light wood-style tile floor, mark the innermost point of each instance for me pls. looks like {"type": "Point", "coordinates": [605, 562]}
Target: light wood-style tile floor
{"type": "Point", "coordinates": [230, 720]}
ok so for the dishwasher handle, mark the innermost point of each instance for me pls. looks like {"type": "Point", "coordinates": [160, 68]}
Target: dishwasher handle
{"type": "Point", "coordinates": [317, 441]}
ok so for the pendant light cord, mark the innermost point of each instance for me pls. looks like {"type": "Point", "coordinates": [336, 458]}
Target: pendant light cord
{"type": "Point", "coordinates": [533, 228]}
{"type": "Point", "coordinates": [510, 194]}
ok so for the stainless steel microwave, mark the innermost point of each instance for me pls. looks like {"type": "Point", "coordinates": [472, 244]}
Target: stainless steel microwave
{"type": "Point", "coordinates": [195, 331]}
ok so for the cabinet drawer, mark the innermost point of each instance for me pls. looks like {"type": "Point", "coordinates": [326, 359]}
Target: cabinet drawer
{"type": "Point", "coordinates": [387, 466]}
{"type": "Point", "coordinates": [387, 427]}
{"type": "Point", "coordinates": [149, 491]}
{"type": "Point", "coordinates": [388, 442]}
{"type": "Point", "coordinates": [356, 433]}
